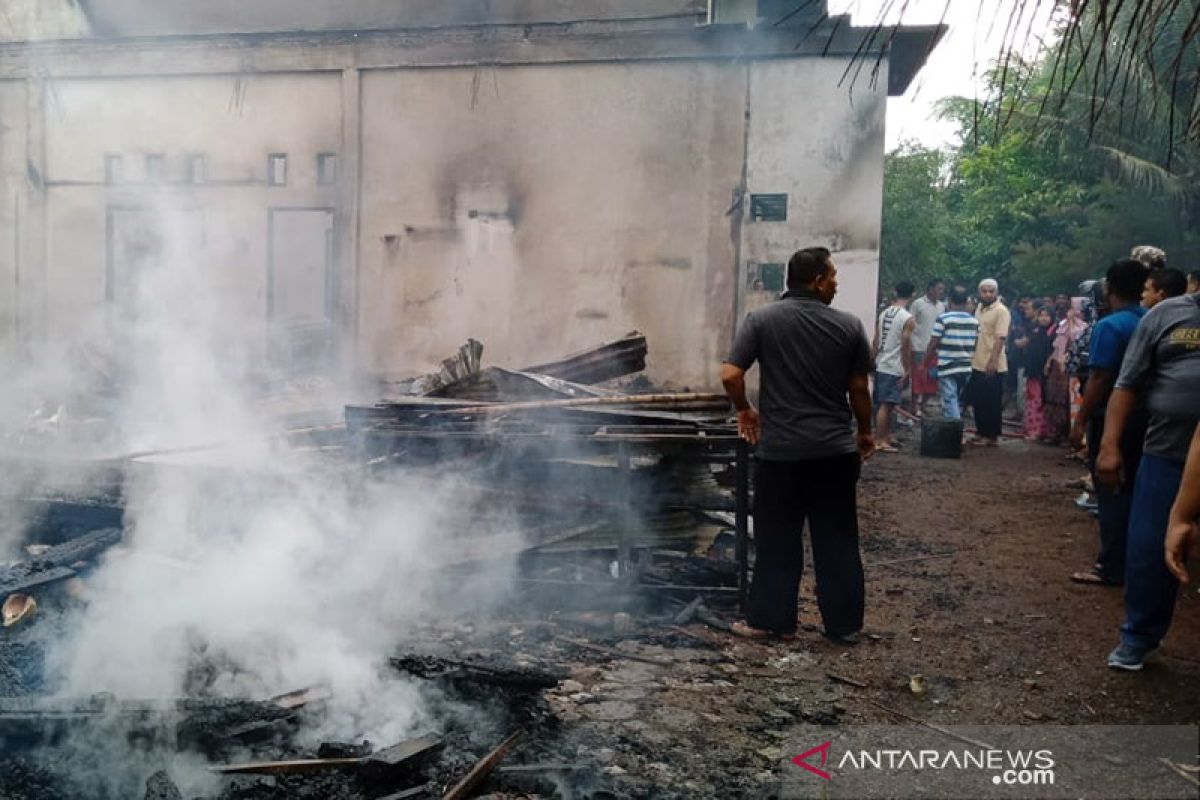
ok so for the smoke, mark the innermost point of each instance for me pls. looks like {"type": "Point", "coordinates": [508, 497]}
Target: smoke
{"type": "Point", "coordinates": [249, 568]}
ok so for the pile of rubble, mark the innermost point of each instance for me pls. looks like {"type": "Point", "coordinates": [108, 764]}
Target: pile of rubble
{"type": "Point", "coordinates": [591, 468]}
{"type": "Point", "coordinates": [629, 504]}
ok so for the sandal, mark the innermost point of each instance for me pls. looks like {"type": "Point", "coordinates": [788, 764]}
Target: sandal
{"type": "Point", "coordinates": [981, 442]}
{"type": "Point", "coordinates": [1093, 578]}
{"type": "Point", "coordinates": [886, 448]}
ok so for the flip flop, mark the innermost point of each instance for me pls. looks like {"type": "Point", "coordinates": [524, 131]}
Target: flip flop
{"type": "Point", "coordinates": [886, 448]}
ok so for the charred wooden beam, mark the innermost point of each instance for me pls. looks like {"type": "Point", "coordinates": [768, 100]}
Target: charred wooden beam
{"type": "Point", "coordinates": [382, 761]}
{"type": "Point", "coordinates": [601, 363]}
{"type": "Point", "coordinates": [57, 563]}
{"type": "Point", "coordinates": [479, 773]}
{"type": "Point", "coordinates": [512, 678]}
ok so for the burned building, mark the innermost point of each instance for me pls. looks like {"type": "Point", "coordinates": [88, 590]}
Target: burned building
{"type": "Point", "coordinates": [380, 180]}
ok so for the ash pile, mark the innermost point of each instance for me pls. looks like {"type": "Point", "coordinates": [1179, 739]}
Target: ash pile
{"type": "Point", "coordinates": [610, 514]}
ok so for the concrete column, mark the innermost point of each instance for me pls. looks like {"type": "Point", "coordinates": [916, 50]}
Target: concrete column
{"type": "Point", "coordinates": [349, 196]}
{"type": "Point", "coordinates": [32, 294]}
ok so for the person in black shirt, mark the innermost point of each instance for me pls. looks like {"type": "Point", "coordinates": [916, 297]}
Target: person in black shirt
{"type": "Point", "coordinates": [814, 362]}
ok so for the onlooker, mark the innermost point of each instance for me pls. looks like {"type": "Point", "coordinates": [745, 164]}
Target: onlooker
{"type": "Point", "coordinates": [1109, 338]}
{"type": "Point", "coordinates": [1059, 396]}
{"type": "Point", "coordinates": [1037, 357]}
{"type": "Point", "coordinates": [808, 459]}
{"type": "Point", "coordinates": [1153, 257]}
{"type": "Point", "coordinates": [925, 310]}
{"type": "Point", "coordinates": [1162, 367]}
{"type": "Point", "coordinates": [1183, 526]}
{"type": "Point", "coordinates": [1163, 284]}
{"type": "Point", "coordinates": [1018, 340]}
{"type": "Point", "coordinates": [951, 347]}
{"type": "Point", "coordinates": [892, 353]}
{"type": "Point", "coordinates": [989, 364]}
{"type": "Point", "coordinates": [1193, 282]}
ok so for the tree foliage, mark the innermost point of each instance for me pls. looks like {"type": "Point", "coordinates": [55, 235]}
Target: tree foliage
{"type": "Point", "coordinates": [1049, 182]}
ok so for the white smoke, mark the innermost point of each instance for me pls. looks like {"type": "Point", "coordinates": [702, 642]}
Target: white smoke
{"type": "Point", "coordinates": [287, 567]}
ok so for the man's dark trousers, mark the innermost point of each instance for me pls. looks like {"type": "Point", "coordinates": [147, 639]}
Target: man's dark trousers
{"type": "Point", "coordinates": [987, 395]}
{"type": "Point", "coordinates": [1115, 507]}
{"type": "Point", "coordinates": [1150, 588]}
{"type": "Point", "coordinates": [823, 491]}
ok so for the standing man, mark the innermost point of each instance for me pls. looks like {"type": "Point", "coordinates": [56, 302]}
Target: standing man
{"type": "Point", "coordinates": [1161, 368]}
{"type": "Point", "coordinates": [808, 458]}
{"type": "Point", "coordinates": [892, 353]}
{"type": "Point", "coordinates": [989, 364]}
{"type": "Point", "coordinates": [951, 348]}
{"type": "Point", "coordinates": [1163, 284]}
{"type": "Point", "coordinates": [925, 310]}
{"type": "Point", "coordinates": [1110, 338]}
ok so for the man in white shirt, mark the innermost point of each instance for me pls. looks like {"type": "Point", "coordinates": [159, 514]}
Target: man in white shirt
{"type": "Point", "coordinates": [892, 352]}
{"type": "Point", "coordinates": [925, 310]}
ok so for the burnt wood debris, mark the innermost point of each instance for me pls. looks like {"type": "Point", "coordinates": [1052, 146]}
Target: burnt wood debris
{"type": "Point", "coordinates": [627, 504]}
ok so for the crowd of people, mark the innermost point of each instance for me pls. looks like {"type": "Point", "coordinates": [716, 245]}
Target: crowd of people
{"type": "Point", "coordinates": [1097, 371]}
{"type": "Point", "coordinates": [1113, 372]}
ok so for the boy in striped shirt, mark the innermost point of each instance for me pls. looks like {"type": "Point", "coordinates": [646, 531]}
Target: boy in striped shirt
{"type": "Point", "coordinates": [953, 343]}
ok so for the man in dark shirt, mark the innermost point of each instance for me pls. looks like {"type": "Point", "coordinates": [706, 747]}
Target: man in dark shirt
{"type": "Point", "coordinates": [1110, 336]}
{"type": "Point", "coordinates": [1162, 370]}
{"type": "Point", "coordinates": [812, 357]}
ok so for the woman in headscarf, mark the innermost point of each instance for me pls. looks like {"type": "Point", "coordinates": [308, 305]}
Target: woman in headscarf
{"type": "Point", "coordinates": [1057, 398]}
{"type": "Point", "coordinates": [1038, 345]}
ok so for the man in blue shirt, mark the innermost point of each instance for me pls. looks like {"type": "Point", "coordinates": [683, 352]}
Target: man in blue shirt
{"type": "Point", "coordinates": [1110, 337]}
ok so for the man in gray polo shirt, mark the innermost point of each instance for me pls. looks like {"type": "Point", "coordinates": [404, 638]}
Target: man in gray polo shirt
{"type": "Point", "coordinates": [814, 362]}
{"type": "Point", "coordinates": [1162, 370]}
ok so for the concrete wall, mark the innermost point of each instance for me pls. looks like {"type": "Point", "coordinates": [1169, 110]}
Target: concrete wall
{"type": "Point", "coordinates": [538, 208]}
{"type": "Point", "coordinates": [543, 209]}
{"type": "Point", "coordinates": [13, 200]}
{"type": "Point", "coordinates": [157, 17]}
{"type": "Point", "coordinates": [218, 227]}
{"type": "Point", "coordinates": [34, 20]}
{"type": "Point", "coordinates": [822, 143]}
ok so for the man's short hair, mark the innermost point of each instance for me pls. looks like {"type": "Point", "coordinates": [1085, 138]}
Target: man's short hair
{"type": "Point", "coordinates": [1126, 279]}
{"type": "Point", "coordinates": [958, 296]}
{"type": "Point", "coordinates": [806, 265]}
{"type": "Point", "coordinates": [1152, 257]}
{"type": "Point", "coordinates": [989, 283]}
{"type": "Point", "coordinates": [904, 290]}
{"type": "Point", "coordinates": [1194, 276]}
{"type": "Point", "coordinates": [932, 283]}
{"type": "Point", "coordinates": [1171, 282]}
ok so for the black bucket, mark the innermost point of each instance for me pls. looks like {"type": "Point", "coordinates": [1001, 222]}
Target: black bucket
{"type": "Point", "coordinates": [941, 438]}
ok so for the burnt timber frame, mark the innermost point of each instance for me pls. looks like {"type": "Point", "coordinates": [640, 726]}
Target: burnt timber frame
{"type": "Point", "coordinates": [711, 444]}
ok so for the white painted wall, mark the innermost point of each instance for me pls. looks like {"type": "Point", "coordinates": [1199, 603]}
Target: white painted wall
{"type": "Point", "coordinates": [821, 140]}
{"type": "Point", "coordinates": [539, 209]}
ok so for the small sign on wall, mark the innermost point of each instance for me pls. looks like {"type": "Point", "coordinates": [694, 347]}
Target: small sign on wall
{"type": "Point", "coordinates": [767, 277]}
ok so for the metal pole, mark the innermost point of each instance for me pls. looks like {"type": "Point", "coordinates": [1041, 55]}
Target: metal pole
{"type": "Point", "coordinates": [741, 521]}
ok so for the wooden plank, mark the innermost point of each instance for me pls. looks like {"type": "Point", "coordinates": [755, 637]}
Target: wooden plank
{"type": "Point", "coordinates": [483, 768]}
{"type": "Point", "coordinates": [302, 697]}
{"type": "Point", "coordinates": [301, 766]}
{"type": "Point", "coordinates": [399, 753]}
{"type": "Point", "coordinates": [387, 758]}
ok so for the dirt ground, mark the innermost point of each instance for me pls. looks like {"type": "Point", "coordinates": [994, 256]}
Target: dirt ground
{"type": "Point", "coordinates": [989, 619]}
